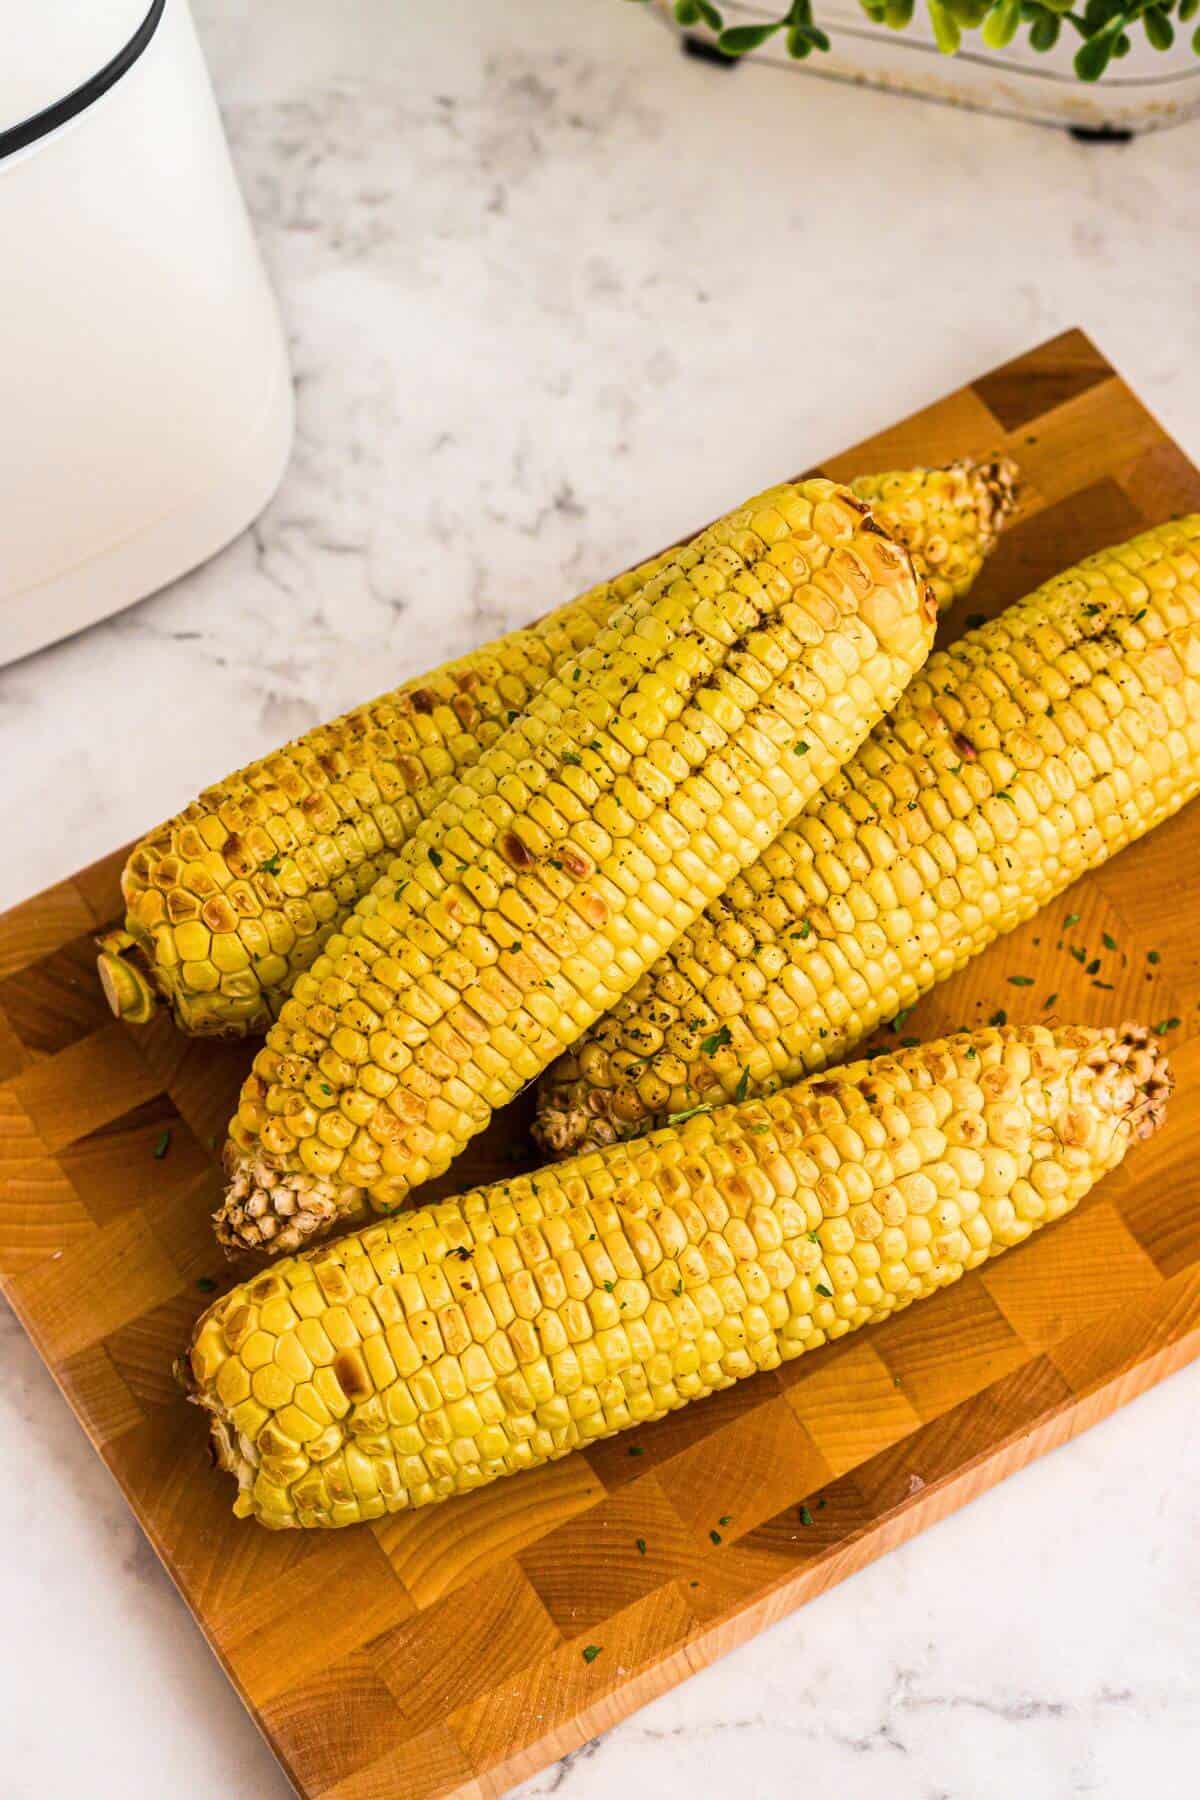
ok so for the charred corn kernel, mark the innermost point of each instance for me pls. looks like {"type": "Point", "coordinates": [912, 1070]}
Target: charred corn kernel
{"type": "Point", "coordinates": [259, 871]}
{"type": "Point", "coordinates": [756, 661]}
{"type": "Point", "coordinates": [753, 1198]}
{"type": "Point", "coordinates": [1019, 758]}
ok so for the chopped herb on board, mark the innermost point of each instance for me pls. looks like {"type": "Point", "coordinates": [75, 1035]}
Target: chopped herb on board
{"type": "Point", "coordinates": [1110, 943]}
{"type": "Point", "coordinates": [1165, 1025]}
{"type": "Point", "coordinates": [715, 1536]}
{"type": "Point", "coordinates": [1093, 967]}
{"type": "Point", "coordinates": [1051, 998]}
{"type": "Point", "coordinates": [161, 1146]}
{"type": "Point", "coordinates": [1071, 919]}
{"type": "Point", "coordinates": [591, 1652]}
{"type": "Point", "coordinates": [206, 1284]}
{"type": "Point", "coordinates": [806, 1517]}
{"type": "Point", "coordinates": [641, 1546]}
{"type": "Point", "coordinates": [1078, 953]}
{"type": "Point", "coordinates": [1152, 956]}
{"type": "Point", "coordinates": [1021, 980]}
{"type": "Point", "coordinates": [999, 1017]}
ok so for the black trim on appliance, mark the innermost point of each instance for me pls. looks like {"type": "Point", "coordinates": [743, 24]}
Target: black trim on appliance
{"type": "Point", "coordinates": [51, 117]}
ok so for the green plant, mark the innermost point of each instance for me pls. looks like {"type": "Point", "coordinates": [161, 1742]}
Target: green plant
{"type": "Point", "coordinates": [1104, 26]}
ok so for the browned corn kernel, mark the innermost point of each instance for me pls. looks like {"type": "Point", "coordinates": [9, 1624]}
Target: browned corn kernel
{"type": "Point", "coordinates": [636, 785]}
{"type": "Point", "coordinates": [228, 902]}
{"type": "Point", "coordinates": [1017, 759]}
{"type": "Point", "coordinates": [472, 1338]}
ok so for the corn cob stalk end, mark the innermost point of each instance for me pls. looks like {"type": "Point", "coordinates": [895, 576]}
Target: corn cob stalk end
{"type": "Point", "coordinates": [129, 992]}
{"type": "Point", "coordinates": [949, 518]}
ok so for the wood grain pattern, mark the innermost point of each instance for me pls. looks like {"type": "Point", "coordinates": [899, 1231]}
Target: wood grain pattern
{"type": "Point", "coordinates": [442, 1653]}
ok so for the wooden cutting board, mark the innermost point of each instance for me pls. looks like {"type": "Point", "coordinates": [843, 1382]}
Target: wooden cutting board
{"type": "Point", "coordinates": [447, 1652]}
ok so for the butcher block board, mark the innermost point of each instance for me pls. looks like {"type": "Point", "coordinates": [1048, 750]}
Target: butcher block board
{"type": "Point", "coordinates": [451, 1651]}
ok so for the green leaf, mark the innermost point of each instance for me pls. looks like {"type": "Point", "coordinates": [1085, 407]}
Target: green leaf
{"type": "Point", "coordinates": [1000, 26]}
{"type": "Point", "coordinates": [820, 40]}
{"type": "Point", "coordinates": [710, 1045]}
{"type": "Point", "coordinates": [739, 39]}
{"type": "Point", "coordinates": [1196, 41]}
{"type": "Point", "coordinates": [898, 14]}
{"type": "Point", "coordinates": [686, 12]}
{"type": "Point", "coordinates": [799, 44]}
{"type": "Point", "coordinates": [800, 12]}
{"type": "Point", "coordinates": [1188, 10]}
{"type": "Point", "coordinates": [743, 1085]}
{"type": "Point", "coordinates": [1044, 32]}
{"type": "Point", "coordinates": [710, 15]}
{"type": "Point", "coordinates": [945, 30]}
{"type": "Point", "coordinates": [1159, 29]}
{"type": "Point", "coordinates": [591, 1652]}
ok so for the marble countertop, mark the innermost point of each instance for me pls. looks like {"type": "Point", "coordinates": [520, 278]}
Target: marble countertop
{"type": "Point", "coordinates": [554, 293]}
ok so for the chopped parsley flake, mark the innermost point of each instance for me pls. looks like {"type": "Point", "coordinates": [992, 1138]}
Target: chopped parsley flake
{"type": "Point", "coordinates": [806, 1517]}
{"type": "Point", "coordinates": [1078, 952]}
{"type": "Point", "coordinates": [1093, 967]}
{"type": "Point", "coordinates": [1021, 980]}
{"type": "Point", "coordinates": [1165, 1025]}
{"type": "Point", "coordinates": [569, 756]}
{"type": "Point", "coordinates": [899, 1019]}
{"type": "Point", "coordinates": [679, 1117]}
{"type": "Point", "coordinates": [161, 1146]}
{"type": "Point", "coordinates": [1152, 956]}
{"type": "Point", "coordinates": [710, 1045]}
{"type": "Point", "coordinates": [739, 1093]}
{"type": "Point", "coordinates": [206, 1284]}
{"type": "Point", "coordinates": [1071, 919]}
{"type": "Point", "coordinates": [635, 1450]}
{"type": "Point", "coordinates": [827, 1292]}
{"type": "Point", "coordinates": [435, 857]}
{"type": "Point", "coordinates": [641, 1546]}
{"type": "Point", "coordinates": [801, 748]}
{"type": "Point", "coordinates": [1110, 943]}
{"type": "Point", "coordinates": [271, 866]}
{"type": "Point", "coordinates": [1051, 998]}
{"type": "Point", "coordinates": [609, 1286]}
{"type": "Point", "coordinates": [591, 1652]}
{"type": "Point", "coordinates": [715, 1536]}
{"type": "Point", "coordinates": [999, 1017]}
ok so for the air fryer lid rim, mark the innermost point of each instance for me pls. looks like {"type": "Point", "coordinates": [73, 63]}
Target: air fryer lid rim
{"type": "Point", "coordinates": [62, 64]}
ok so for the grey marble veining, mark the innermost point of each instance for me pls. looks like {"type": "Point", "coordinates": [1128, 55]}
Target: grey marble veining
{"type": "Point", "coordinates": [554, 295]}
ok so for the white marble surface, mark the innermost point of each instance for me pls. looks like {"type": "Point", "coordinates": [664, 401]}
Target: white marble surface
{"type": "Point", "coordinates": [554, 294]}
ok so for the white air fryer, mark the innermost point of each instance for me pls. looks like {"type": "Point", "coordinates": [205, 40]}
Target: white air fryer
{"type": "Point", "coordinates": [145, 397]}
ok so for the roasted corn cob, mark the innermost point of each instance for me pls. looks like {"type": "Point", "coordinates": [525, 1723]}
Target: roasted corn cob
{"type": "Point", "coordinates": [636, 785]}
{"type": "Point", "coordinates": [1023, 755]}
{"type": "Point", "coordinates": [466, 1340]}
{"type": "Point", "coordinates": [228, 902]}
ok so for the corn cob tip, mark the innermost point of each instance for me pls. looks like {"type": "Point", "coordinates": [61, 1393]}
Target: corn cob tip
{"type": "Point", "coordinates": [995, 484]}
{"type": "Point", "coordinates": [268, 1211]}
{"type": "Point", "coordinates": [127, 989]}
{"type": "Point", "coordinates": [1131, 1066]}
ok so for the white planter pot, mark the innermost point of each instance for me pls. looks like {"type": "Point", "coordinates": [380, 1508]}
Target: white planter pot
{"type": "Point", "coordinates": [1145, 91]}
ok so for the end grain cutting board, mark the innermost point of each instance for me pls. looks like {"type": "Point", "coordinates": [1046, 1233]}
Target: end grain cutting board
{"type": "Point", "coordinates": [442, 1651]}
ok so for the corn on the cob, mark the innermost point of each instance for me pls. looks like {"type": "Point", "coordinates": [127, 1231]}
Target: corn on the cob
{"type": "Point", "coordinates": [1020, 757]}
{"type": "Point", "coordinates": [629, 793]}
{"type": "Point", "coordinates": [466, 1340]}
{"type": "Point", "coordinates": [228, 902]}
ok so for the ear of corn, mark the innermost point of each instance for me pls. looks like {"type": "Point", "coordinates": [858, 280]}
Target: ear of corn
{"type": "Point", "coordinates": [228, 902]}
{"type": "Point", "coordinates": [630, 792]}
{"type": "Point", "coordinates": [470, 1339]}
{"type": "Point", "coordinates": [1020, 757]}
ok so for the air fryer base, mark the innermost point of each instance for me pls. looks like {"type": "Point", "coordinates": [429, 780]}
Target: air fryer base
{"type": "Point", "coordinates": [166, 548]}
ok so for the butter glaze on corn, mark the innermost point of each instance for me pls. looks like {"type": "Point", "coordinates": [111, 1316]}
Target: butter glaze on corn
{"type": "Point", "coordinates": [228, 902]}
{"type": "Point", "coordinates": [1020, 757]}
{"type": "Point", "coordinates": [476, 1337]}
{"type": "Point", "coordinates": [631, 791]}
